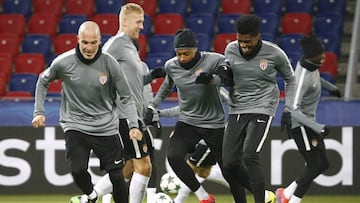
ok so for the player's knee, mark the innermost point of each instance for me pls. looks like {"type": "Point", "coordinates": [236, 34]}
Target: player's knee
{"type": "Point", "coordinates": [143, 167]}
{"type": "Point", "coordinates": [116, 175]}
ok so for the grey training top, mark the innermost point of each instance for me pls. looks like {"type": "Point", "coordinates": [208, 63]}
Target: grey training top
{"type": "Point", "coordinates": [308, 92]}
{"type": "Point", "coordinates": [88, 92]}
{"type": "Point", "coordinates": [200, 105]}
{"type": "Point", "coordinates": [256, 89]}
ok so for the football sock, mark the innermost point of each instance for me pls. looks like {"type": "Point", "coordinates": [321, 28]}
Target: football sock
{"type": "Point", "coordinates": [295, 199]}
{"type": "Point", "coordinates": [200, 179]}
{"type": "Point", "coordinates": [103, 186]}
{"type": "Point", "coordinates": [138, 185]}
{"type": "Point", "coordinates": [289, 190]}
{"type": "Point", "coordinates": [106, 198]}
{"type": "Point", "coordinates": [201, 193]}
{"type": "Point", "coordinates": [92, 195]}
{"type": "Point", "coordinates": [182, 194]}
{"type": "Point", "coordinates": [150, 194]}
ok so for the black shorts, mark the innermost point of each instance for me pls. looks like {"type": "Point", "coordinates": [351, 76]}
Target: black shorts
{"type": "Point", "coordinates": [107, 148]}
{"type": "Point", "coordinates": [307, 140]}
{"type": "Point", "coordinates": [202, 156]}
{"type": "Point", "coordinates": [134, 148]}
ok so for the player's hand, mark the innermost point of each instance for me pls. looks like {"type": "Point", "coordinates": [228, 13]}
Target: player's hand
{"type": "Point", "coordinates": [226, 75]}
{"type": "Point", "coordinates": [325, 131]}
{"type": "Point", "coordinates": [149, 115]}
{"type": "Point", "coordinates": [38, 121]}
{"type": "Point", "coordinates": [335, 93]}
{"type": "Point", "coordinates": [135, 133]}
{"type": "Point", "coordinates": [204, 78]}
{"type": "Point", "coordinates": [286, 123]}
{"type": "Point", "coordinates": [158, 72]}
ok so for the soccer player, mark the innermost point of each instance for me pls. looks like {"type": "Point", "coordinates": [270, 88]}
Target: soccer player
{"type": "Point", "coordinates": [305, 130]}
{"type": "Point", "coordinates": [201, 112]}
{"type": "Point", "coordinates": [88, 115]}
{"type": "Point", "coordinates": [252, 104]}
{"type": "Point", "coordinates": [124, 48]}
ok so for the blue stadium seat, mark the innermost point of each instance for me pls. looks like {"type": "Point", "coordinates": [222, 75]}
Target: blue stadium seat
{"type": "Point", "coordinates": [291, 42]}
{"type": "Point", "coordinates": [294, 57]}
{"type": "Point", "coordinates": [104, 38]}
{"type": "Point", "coordinates": [328, 22]}
{"type": "Point", "coordinates": [147, 31]}
{"type": "Point", "coordinates": [226, 23]}
{"type": "Point", "coordinates": [161, 43]}
{"type": "Point", "coordinates": [299, 6]}
{"type": "Point", "coordinates": [269, 23]}
{"type": "Point", "coordinates": [108, 6]}
{"type": "Point", "coordinates": [332, 42]}
{"type": "Point", "coordinates": [205, 6]}
{"type": "Point", "coordinates": [201, 23]}
{"type": "Point", "coordinates": [173, 6]}
{"type": "Point", "coordinates": [15, 6]}
{"type": "Point", "coordinates": [71, 23]}
{"type": "Point", "coordinates": [324, 6]}
{"type": "Point", "coordinates": [204, 42]}
{"type": "Point", "coordinates": [269, 37]}
{"type": "Point", "coordinates": [154, 60]}
{"type": "Point", "coordinates": [23, 82]}
{"type": "Point", "coordinates": [266, 6]}
{"type": "Point", "coordinates": [34, 43]}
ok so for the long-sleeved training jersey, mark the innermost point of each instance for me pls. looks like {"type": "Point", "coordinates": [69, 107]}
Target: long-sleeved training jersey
{"type": "Point", "coordinates": [256, 89]}
{"type": "Point", "coordinates": [88, 93]}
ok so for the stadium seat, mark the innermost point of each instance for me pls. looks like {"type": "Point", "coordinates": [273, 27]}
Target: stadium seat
{"type": "Point", "coordinates": [330, 64]}
{"type": "Point", "coordinates": [147, 26]}
{"type": "Point", "coordinates": [17, 95]}
{"type": "Point", "coordinates": [154, 60]}
{"type": "Point", "coordinates": [161, 43]}
{"type": "Point", "coordinates": [325, 6]}
{"type": "Point", "coordinates": [15, 6]}
{"type": "Point", "coordinates": [43, 23]}
{"type": "Point", "coordinates": [9, 44]}
{"type": "Point", "coordinates": [49, 6]}
{"type": "Point", "coordinates": [269, 23]}
{"type": "Point", "coordinates": [332, 42]}
{"type": "Point", "coordinates": [269, 37]}
{"type": "Point", "coordinates": [294, 57]}
{"type": "Point", "coordinates": [174, 6]}
{"type": "Point", "coordinates": [64, 42]}
{"type": "Point", "coordinates": [80, 7]}
{"type": "Point", "coordinates": [104, 38]}
{"type": "Point", "coordinates": [204, 42]}
{"type": "Point", "coordinates": [149, 6]}
{"type": "Point", "coordinates": [156, 83]}
{"type": "Point", "coordinates": [168, 23]}
{"type": "Point", "coordinates": [71, 23]}
{"type": "Point", "coordinates": [3, 86]}
{"type": "Point", "coordinates": [235, 6]}
{"type": "Point", "coordinates": [38, 44]}
{"type": "Point", "coordinates": [29, 63]}
{"type": "Point", "coordinates": [291, 42]}
{"type": "Point", "coordinates": [328, 22]}
{"type": "Point", "coordinates": [54, 88]}
{"type": "Point", "coordinates": [221, 40]}
{"type": "Point", "coordinates": [108, 23]}
{"type": "Point", "coordinates": [23, 82]}
{"type": "Point", "coordinates": [296, 6]}
{"type": "Point", "coordinates": [12, 23]}
{"type": "Point", "coordinates": [108, 6]}
{"type": "Point", "coordinates": [201, 23]}
{"type": "Point", "coordinates": [267, 6]}
{"type": "Point", "coordinates": [142, 46]}
{"type": "Point", "coordinates": [296, 23]}
{"type": "Point", "coordinates": [207, 6]}
{"type": "Point", "coordinates": [6, 67]}
{"type": "Point", "coordinates": [226, 23]}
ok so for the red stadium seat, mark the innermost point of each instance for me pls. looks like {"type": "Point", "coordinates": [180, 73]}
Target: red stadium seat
{"type": "Point", "coordinates": [3, 86]}
{"type": "Point", "coordinates": [49, 6]}
{"type": "Point", "coordinates": [17, 95]}
{"type": "Point", "coordinates": [297, 23]}
{"type": "Point", "coordinates": [149, 6]}
{"type": "Point", "coordinates": [5, 67]}
{"type": "Point", "coordinates": [12, 23]}
{"type": "Point", "coordinates": [43, 23]}
{"type": "Point", "coordinates": [108, 23]}
{"type": "Point", "coordinates": [9, 44]}
{"type": "Point", "coordinates": [235, 6]}
{"type": "Point", "coordinates": [168, 23]}
{"type": "Point", "coordinates": [330, 64]}
{"type": "Point", "coordinates": [64, 42]}
{"type": "Point", "coordinates": [142, 46]}
{"type": "Point", "coordinates": [54, 88]}
{"type": "Point", "coordinates": [29, 63]}
{"type": "Point", "coordinates": [221, 41]}
{"type": "Point", "coordinates": [80, 7]}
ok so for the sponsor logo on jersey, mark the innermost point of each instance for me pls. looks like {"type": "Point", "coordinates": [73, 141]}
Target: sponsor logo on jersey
{"type": "Point", "coordinates": [103, 78]}
{"type": "Point", "coordinates": [263, 64]}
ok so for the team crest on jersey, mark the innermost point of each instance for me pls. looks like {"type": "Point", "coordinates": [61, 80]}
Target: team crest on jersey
{"type": "Point", "coordinates": [263, 64]}
{"type": "Point", "coordinates": [103, 78]}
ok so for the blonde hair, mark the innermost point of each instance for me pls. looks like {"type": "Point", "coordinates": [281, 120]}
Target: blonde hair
{"type": "Point", "coordinates": [130, 8]}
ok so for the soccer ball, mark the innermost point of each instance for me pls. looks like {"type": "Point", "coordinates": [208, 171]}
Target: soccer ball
{"type": "Point", "coordinates": [170, 183]}
{"type": "Point", "coordinates": [78, 199]}
{"type": "Point", "coordinates": [162, 198]}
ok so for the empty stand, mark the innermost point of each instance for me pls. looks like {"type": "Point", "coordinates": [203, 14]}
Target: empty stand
{"type": "Point", "coordinates": [221, 41]}
{"type": "Point", "coordinates": [330, 64]}
{"type": "Point", "coordinates": [80, 7]}
{"type": "Point", "coordinates": [6, 67]}
{"type": "Point", "coordinates": [296, 23]}
{"type": "Point", "coordinates": [291, 42]}
{"type": "Point", "coordinates": [64, 42]}
{"type": "Point", "coordinates": [156, 83]}
{"type": "Point", "coordinates": [71, 23]}
{"type": "Point", "coordinates": [147, 26]}
{"type": "Point", "coordinates": [23, 82]}
{"type": "Point", "coordinates": [161, 43]}
{"type": "Point", "coordinates": [328, 23]}
{"type": "Point", "coordinates": [226, 23]}
{"type": "Point", "coordinates": [43, 23]}
{"type": "Point", "coordinates": [104, 38]}
{"type": "Point", "coordinates": [49, 6]}
{"type": "Point", "coordinates": [154, 60]}
{"type": "Point", "coordinates": [204, 42]}
{"type": "Point", "coordinates": [12, 23]}
{"type": "Point", "coordinates": [108, 23]}
{"type": "Point", "coordinates": [332, 42]}
{"type": "Point", "coordinates": [29, 63]}
{"type": "Point", "coordinates": [235, 6]}
{"type": "Point", "coordinates": [174, 6]}
{"type": "Point", "coordinates": [266, 6]}
{"type": "Point", "coordinates": [168, 23]}
{"type": "Point", "coordinates": [54, 88]}
{"type": "Point", "coordinates": [294, 57]}
{"type": "Point", "coordinates": [108, 6]}
{"type": "Point", "coordinates": [38, 44]}
{"type": "Point", "coordinates": [209, 6]}
{"type": "Point", "coordinates": [295, 6]}
{"type": "Point", "coordinates": [269, 37]}
{"type": "Point", "coordinates": [142, 46]}
{"type": "Point", "coordinates": [269, 23]}
{"type": "Point", "coordinates": [9, 44]}
{"type": "Point", "coordinates": [17, 95]}
{"type": "Point", "coordinates": [15, 6]}
{"type": "Point", "coordinates": [149, 6]}
{"type": "Point", "coordinates": [3, 86]}
{"type": "Point", "coordinates": [201, 23]}
{"type": "Point", "coordinates": [325, 6]}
